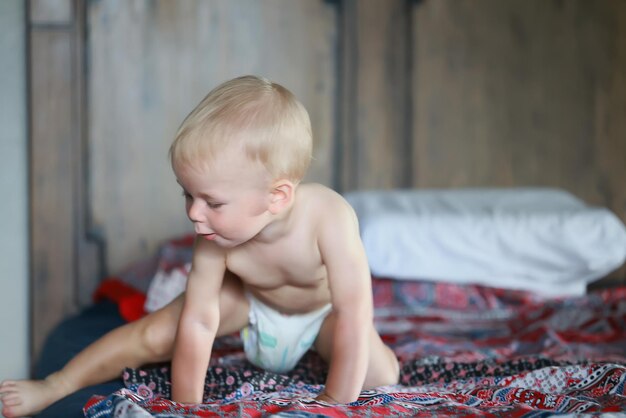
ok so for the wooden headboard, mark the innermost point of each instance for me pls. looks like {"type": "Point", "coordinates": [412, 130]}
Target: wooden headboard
{"type": "Point", "coordinates": [401, 93]}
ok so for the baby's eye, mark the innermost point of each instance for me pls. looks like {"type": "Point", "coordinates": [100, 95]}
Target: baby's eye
{"type": "Point", "coordinates": [186, 195]}
{"type": "Point", "coordinates": [215, 205]}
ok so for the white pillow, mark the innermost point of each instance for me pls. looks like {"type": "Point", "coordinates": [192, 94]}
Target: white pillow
{"type": "Point", "coordinates": [165, 286]}
{"type": "Point", "coordinates": [537, 239]}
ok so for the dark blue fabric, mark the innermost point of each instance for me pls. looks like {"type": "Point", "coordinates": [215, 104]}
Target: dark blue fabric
{"type": "Point", "coordinates": [67, 340]}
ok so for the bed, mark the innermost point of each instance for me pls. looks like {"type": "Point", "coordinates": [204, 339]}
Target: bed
{"type": "Point", "coordinates": [466, 348]}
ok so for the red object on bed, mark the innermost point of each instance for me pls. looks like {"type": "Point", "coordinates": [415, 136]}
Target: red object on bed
{"type": "Point", "coordinates": [129, 300]}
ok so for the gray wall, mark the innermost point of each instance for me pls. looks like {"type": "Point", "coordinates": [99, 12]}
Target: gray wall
{"type": "Point", "coordinates": [13, 193]}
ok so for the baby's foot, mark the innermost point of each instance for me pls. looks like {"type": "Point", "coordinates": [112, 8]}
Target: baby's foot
{"type": "Point", "coordinates": [27, 397]}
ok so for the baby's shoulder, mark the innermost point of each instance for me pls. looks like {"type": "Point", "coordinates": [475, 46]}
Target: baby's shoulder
{"type": "Point", "coordinates": [321, 202]}
{"type": "Point", "coordinates": [315, 193]}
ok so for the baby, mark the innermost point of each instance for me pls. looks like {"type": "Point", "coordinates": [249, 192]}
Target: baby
{"type": "Point", "coordinates": [280, 261]}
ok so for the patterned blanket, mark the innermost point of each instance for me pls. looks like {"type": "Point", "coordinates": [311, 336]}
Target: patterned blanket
{"type": "Point", "coordinates": [464, 351]}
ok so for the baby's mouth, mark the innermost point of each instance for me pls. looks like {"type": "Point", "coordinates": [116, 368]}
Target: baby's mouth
{"type": "Point", "coordinates": [209, 237]}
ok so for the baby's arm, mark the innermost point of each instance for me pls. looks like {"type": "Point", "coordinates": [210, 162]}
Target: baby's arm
{"type": "Point", "coordinates": [198, 323]}
{"type": "Point", "coordinates": [350, 285]}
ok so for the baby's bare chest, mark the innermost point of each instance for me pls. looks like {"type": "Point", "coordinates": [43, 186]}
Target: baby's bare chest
{"type": "Point", "coordinates": [295, 263]}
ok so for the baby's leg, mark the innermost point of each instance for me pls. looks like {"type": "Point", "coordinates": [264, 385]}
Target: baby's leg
{"type": "Point", "coordinates": [383, 368]}
{"type": "Point", "coordinates": [130, 345]}
{"type": "Point", "coordinates": [147, 340]}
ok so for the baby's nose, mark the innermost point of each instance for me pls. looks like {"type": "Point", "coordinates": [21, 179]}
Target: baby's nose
{"type": "Point", "coordinates": [194, 213]}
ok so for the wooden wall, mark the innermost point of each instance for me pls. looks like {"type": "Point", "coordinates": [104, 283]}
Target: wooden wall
{"type": "Point", "coordinates": [402, 93]}
{"type": "Point", "coordinates": [521, 93]}
{"type": "Point", "coordinates": [63, 256]}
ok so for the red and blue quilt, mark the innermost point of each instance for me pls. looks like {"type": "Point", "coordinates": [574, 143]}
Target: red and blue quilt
{"type": "Point", "coordinates": [464, 351]}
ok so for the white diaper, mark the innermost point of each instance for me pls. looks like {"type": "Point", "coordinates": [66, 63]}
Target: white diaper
{"type": "Point", "coordinates": [275, 341]}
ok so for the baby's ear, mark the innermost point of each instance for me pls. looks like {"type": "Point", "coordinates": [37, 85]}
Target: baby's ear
{"type": "Point", "coordinates": [281, 195]}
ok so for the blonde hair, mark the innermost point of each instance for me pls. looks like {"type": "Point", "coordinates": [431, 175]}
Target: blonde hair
{"type": "Point", "coordinates": [263, 118]}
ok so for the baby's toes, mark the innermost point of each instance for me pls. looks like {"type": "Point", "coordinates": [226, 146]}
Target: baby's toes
{"type": "Point", "coordinates": [6, 386]}
{"type": "Point", "coordinates": [6, 393]}
{"type": "Point", "coordinates": [12, 399]}
{"type": "Point", "coordinates": [9, 412]}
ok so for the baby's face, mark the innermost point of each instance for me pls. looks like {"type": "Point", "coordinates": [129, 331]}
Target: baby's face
{"type": "Point", "coordinates": [228, 200]}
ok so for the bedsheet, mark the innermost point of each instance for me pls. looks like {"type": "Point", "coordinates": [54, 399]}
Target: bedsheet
{"type": "Point", "coordinates": [464, 351]}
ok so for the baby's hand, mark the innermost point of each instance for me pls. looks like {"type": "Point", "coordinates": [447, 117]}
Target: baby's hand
{"type": "Point", "coordinates": [324, 397]}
